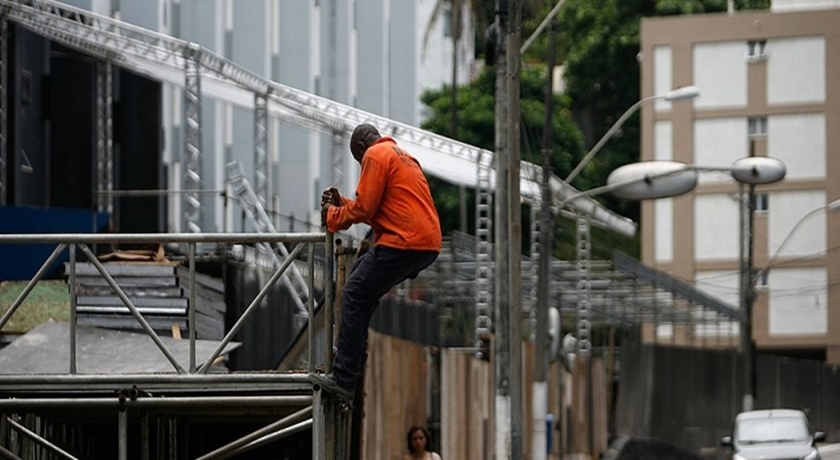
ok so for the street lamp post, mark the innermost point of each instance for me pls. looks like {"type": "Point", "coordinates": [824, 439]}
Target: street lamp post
{"type": "Point", "coordinates": [582, 233]}
{"type": "Point", "coordinates": [749, 278]}
{"type": "Point", "coordinates": [678, 94]}
{"type": "Point", "coordinates": [834, 206]}
{"type": "Point", "coordinates": [582, 239]}
{"type": "Point", "coordinates": [647, 179]}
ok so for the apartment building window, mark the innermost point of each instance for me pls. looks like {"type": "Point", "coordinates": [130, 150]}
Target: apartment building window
{"type": "Point", "coordinates": [762, 202]}
{"type": "Point", "coordinates": [761, 281]}
{"type": "Point", "coordinates": [757, 126]}
{"type": "Point", "coordinates": [447, 20]}
{"type": "Point", "coordinates": [756, 50]}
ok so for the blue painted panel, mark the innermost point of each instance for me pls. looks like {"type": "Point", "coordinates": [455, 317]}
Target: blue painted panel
{"type": "Point", "coordinates": [22, 261]}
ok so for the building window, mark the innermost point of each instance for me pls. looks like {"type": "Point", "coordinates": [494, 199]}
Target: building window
{"type": "Point", "coordinates": [756, 50]}
{"type": "Point", "coordinates": [761, 280]}
{"type": "Point", "coordinates": [757, 126]}
{"type": "Point", "coordinates": [762, 202]}
{"type": "Point", "coordinates": [447, 20]}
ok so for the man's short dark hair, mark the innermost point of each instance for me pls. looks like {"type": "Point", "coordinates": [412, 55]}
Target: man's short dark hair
{"type": "Point", "coordinates": [365, 132]}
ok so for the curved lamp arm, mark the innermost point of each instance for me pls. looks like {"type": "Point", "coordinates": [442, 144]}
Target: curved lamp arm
{"type": "Point", "coordinates": [830, 207]}
{"type": "Point", "coordinates": [686, 92]}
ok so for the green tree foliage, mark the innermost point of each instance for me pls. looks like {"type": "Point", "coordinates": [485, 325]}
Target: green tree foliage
{"type": "Point", "coordinates": [599, 44]}
{"type": "Point", "coordinates": [476, 109]}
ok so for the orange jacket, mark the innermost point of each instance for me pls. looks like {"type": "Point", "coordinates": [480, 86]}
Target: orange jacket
{"type": "Point", "coordinates": [392, 197]}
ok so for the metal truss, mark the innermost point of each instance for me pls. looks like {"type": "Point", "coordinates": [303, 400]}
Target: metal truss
{"type": "Point", "coordinates": [254, 210]}
{"type": "Point", "coordinates": [160, 56]}
{"type": "Point", "coordinates": [261, 183]}
{"type": "Point", "coordinates": [191, 156]}
{"type": "Point", "coordinates": [530, 302]}
{"type": "Point", "coordinates": [483, 256]}
{"type": "Point", "coordinates": [4, 105]}
{"type": "Point", "coordinates": [105, 138]}
{"type": "Point", "coordinates": [584, 252]}
{"type": "Point", "coordinates": [621, 292]}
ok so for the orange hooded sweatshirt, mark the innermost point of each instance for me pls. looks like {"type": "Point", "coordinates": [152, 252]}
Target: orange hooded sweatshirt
{"type": "Point", "coordinates": [392, 197]}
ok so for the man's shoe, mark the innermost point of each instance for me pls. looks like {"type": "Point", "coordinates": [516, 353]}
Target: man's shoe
{"type": "Point", "coordinates": [328, 384]}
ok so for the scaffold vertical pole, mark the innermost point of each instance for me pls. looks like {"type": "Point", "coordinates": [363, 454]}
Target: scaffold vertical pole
{"type": "Point", "coordinates": [318, 426]}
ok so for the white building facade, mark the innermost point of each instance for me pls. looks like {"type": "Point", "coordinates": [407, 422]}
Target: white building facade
{"type": "Point", "coordinates": [770, 86]}
{"type": "Point", "coordinates": [368, 54]}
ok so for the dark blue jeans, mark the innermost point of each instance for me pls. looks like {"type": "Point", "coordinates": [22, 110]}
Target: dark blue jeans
{"type": "Point", "coordinates": [371, 277]}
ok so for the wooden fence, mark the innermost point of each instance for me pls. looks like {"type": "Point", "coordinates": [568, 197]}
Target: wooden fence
{"type": "Point", "coordinates": [397, 394]}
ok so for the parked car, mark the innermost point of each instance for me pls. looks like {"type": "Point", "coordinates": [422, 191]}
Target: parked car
{"type": "Point", "coordinates": [773, 434]}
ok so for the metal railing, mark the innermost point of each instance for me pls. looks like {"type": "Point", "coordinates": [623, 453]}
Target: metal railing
{"type": "Point", "coordinates": [82, 243]}
{"type": "Point", "coordinates": [262, 391]}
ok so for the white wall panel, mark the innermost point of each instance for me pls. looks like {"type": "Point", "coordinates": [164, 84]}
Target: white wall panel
{"type": "Point", "coordinates": [786, 210]}
{"type": "Point", "coordinates": [719, 142]}
{"type": "Point", "coordinates": [796, 70]}
{"type": "Point", "coordinates": [662, 75]}
{"type": "Point", "coordinates": [798, 301]}
{"type": "Point", "coordinates": [716, 227]}
{"type": "Point", "coordinates": [800, 142]}
{"type": "Point", "coordinates": [720, 284]}
{"type": "Point", "coordinates": [663, 140]}
{"type": "Point", "coordinates": [720, 71]}
{"type": "Point", "coordinates": [663, 233]}
{"type": "Point", "coordinates": [798, 5]}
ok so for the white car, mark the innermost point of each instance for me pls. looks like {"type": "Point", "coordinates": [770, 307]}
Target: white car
{"type": "Point", "coordinates": [774, 434]}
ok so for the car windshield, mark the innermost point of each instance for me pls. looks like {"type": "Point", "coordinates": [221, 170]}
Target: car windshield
{"type": "Point", "coordinates": [766, 430]}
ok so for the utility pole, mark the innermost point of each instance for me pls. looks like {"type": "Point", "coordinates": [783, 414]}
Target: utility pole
{"type": "Point", "coordinates": [748, 294]}
{"type": "Point", "coordinates": [540, 390]}
{"type": "Point", "coordinates": [515, 223]}
{"type": "Point", "coordinates": [748, 289]}
{"type": "Point", "coordinates": [502, 414]}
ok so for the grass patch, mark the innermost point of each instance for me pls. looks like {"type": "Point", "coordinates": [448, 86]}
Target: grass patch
{"type": "Point", "coordinates": [50, 299]}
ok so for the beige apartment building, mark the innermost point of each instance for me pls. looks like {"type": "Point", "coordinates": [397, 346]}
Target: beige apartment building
{"type": "Point", "coordinates": [770, 86]}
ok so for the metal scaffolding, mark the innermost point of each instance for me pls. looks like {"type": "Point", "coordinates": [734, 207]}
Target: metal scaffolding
{"type": "Point", "coordinates": [189, 390]}
{"type": "Point", "coordinates": [621, 291]}
{"type": "Point", "coordinates": [200, 71]}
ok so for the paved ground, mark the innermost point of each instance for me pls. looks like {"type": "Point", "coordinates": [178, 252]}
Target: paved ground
{"type": "Point", "coordinates": [830, 451]}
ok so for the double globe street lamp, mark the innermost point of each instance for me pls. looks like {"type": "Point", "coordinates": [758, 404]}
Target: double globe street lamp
{"type": "Point", "coordinates": [661, 179]}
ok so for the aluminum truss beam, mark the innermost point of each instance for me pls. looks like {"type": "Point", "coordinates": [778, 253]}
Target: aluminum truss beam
{"type": "Point", "coordinates": [261, 167]}
{"type": "Point", "coordinates": [191, 155]}
{"type": "Point", "coordinates": [105, 137]}
{"type": "Point", "coordinates": [584, 252]}
{"type": "Point", "coordinates": [483, 257]}
{"type": "Point", "coordinates": [619, 291]}
{"type": "Point", "coordinates": [4, 105]}
{"type": "Point", "coordinates": [164, 58]}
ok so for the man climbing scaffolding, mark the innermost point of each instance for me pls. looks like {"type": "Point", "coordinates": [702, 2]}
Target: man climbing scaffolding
{"type": "Point", "coordinates": [392, 197]}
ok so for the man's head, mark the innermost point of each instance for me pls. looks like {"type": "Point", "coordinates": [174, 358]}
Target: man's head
{"type": "Point", "coordinates": [363, 137]}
